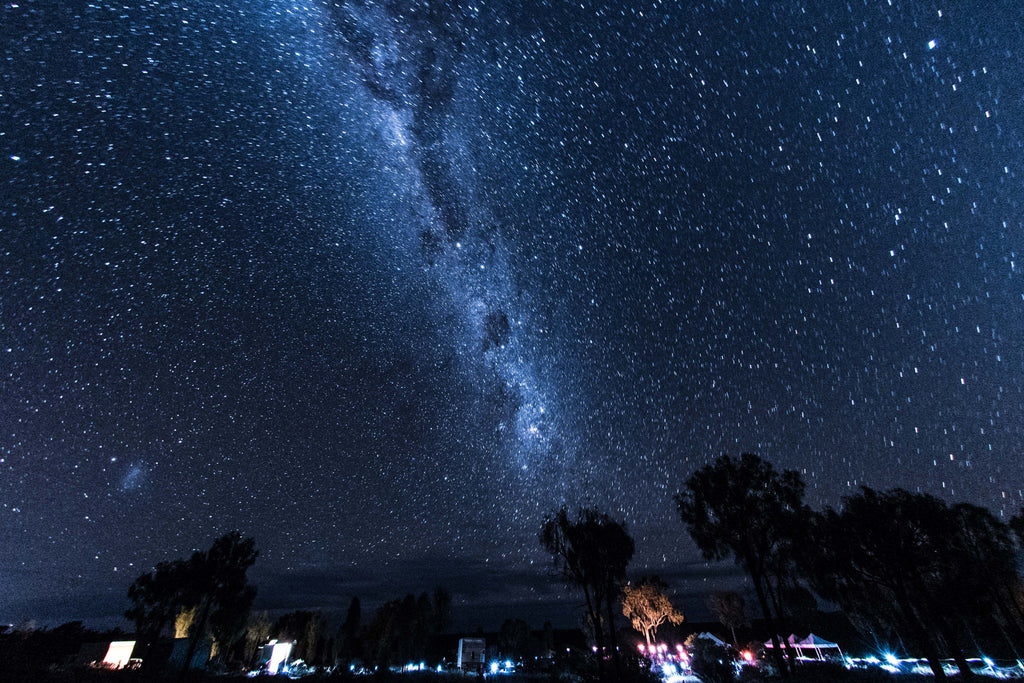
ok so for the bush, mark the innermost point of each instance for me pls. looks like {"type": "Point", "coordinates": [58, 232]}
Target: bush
{"type": "Point", "coordinates": [711, 662]}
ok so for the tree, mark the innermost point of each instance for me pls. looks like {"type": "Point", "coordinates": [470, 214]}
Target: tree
{"type": "Point", "coordinates": [647, 606]}
{"type": "Point", "coordinates": [729, 609]}
{"type": "Point", "coordinates": [1017, 524]}
{"type": "Point", "coordinates": [346, 644]}
{"type": "Point", "coordinates": [592, 553]}
{"type": "Point", "coordinates": [515, 639]}
{"type": "Point", "coordinates": [257, 634]}
{"type": "Point", "coordinates": [212, 583]}
{"type": "Point", "coordinates": [912, 566]}
{"type": "Point", "coordinates": [156, 598]}
{"type": "Point", "coordinates": [976, 589]}
{"type": "Point", "coordinates": [306, 629]}
{"type": "Point", "coordinates": [710, 662]}
{"type": "Point", "coordinates": [184, 621]}
{"type": "Point", "coordinates": [441, 607]}
{"type": "Point", "coordinates": [406, 630]}
{"type": "Point", "coordinates": [216, 585]}
{"type": "Point", "coordinates": [745, 509]}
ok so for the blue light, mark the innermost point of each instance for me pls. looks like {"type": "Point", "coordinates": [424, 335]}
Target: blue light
{"type": "Point", "coordinates": [932, 44]}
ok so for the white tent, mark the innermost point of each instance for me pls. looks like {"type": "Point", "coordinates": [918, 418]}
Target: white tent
{"type": "Point", "coordinates": [792, 641]}
{"type": "Point", "coordinates": [713, 638]}
{"type": "Point", "coordinates": [811, 647]}
{"type": "Point", "coordinates": [819, 646]}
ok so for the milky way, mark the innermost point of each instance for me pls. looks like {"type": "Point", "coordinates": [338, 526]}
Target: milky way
{"type": "Point", "coordinates": [407, 59]}
{"type": "Point", "coordinates": [381, 283]}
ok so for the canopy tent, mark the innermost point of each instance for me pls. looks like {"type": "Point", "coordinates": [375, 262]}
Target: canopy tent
{"type": "Point", "coordinates": [819, 645]}
{"type": "Point", "coordinates": [816, 645]}
{"type": "Point", "coordinates": [713, 638]}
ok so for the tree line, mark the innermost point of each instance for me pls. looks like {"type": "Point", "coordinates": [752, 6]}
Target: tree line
{"type": "Point", "coordinates": [906, 568]}
{"type": "Point", "coordinates": [208, 597]}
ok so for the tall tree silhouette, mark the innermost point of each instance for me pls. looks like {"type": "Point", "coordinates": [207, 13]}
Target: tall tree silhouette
{"type": "Point", "coordinates": [909, 564]}
{"type": "Point", "coordinates": [406, 630]}
{"type": "Point", "coordinates": [212, 582]}
{"type": "Point", "coordinates": [745, 509]}
{"type": "Point", "coordinates": [216, 585]}
{"type": "Point", "coordinates": [592, 553]}
{"type": "Point", "coordinates": [346, 644]}
{"type": "Point", "coordinates": [156, 598]}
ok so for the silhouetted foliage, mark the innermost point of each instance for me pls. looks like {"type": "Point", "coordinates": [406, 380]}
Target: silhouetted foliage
{"type": "Point", "coordinates": [729, 608]}
{"type": "Point", "coordinates": [711, 662]}
{"type": "Point", "coordinates": [156, 598]}
{"type": "Point", "coordinates": [592, 553]}
{"type": "Point", "coordinates": [212, 582]}
{"type": "Point", "coordinates": [515, 640]}
{"type": "Point", "coordinates": [910, 565]}
{"type": "Point", "coordinates": [1017, 524]}
{"type": "Point", "coordinates": [308, 631]}
{"type": "Point", "coordinates": [406, 630]}
{"type": "Point", "coordinates": [257, 634]}
{"type": "Point", "coordinates": [347, 647]}
{"type": "Point", "coordinates": [747, 510]}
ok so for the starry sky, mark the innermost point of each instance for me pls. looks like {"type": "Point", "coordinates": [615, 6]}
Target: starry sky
{"type": "Point", "coordinates": [382, 283]}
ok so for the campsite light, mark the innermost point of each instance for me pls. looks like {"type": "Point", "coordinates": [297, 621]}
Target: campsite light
{"type": "Point", "coordinates": [747, 655]}
{"type": "Point", "coordinates": [640, 647]}
{"type": "Point", "coordinates": [892, 659]}
{"type": "Point", "coordinates": [119, 654]}
{"type": "Point", "coordinates": [494, 667]}
{"type": "Point", "coordinates": [988, 662]}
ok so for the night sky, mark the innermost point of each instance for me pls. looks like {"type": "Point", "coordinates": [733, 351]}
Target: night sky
{"type": "Point", "coordinates": [381, 283]}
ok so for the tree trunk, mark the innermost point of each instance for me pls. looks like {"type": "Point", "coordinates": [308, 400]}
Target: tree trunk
{"type": "Point", "coordinates": [199, 628]}
{"type": "Point", "coordinates": [780, 661]}
{"type": "Point", "coordinates": [953, 643]}
{"type": "Point", "coordinates": [594, 614]}
{"type": "Point", "coordinates": [1012, 607]}
{"type": "Point", "coordinates": [613, 640]}
{"type": "Point", "coordinates": [931, 650]}
{"type": "Point", "coordinates": [774, 595]}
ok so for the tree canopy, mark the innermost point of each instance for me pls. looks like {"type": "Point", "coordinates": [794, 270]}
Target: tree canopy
{"type": "Point", "coordinates": [729, 608]}
{"type": "Point", "coordinates": [745, 509]}
{"type": "Point", "coordinates": [406, 630]}
{"type": "Point", "coordinates": [212, 582]}
{"type": "Point", "coordinates": [913, 566]}
{"type": "Point", "coordinates": [592, 552]}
